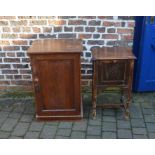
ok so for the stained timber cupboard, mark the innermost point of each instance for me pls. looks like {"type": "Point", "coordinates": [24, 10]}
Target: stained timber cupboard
{"type": "Point", "coordinates": [56, 77]}
{"type": "Point", "coordinates": [112, 67]}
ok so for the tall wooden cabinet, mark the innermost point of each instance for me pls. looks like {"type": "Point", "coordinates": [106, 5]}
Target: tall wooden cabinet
{"type": "Point", "coordinates": [56, 77]}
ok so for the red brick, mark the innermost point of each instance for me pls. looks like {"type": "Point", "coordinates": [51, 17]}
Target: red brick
{"type": "Point", "coordinates": [111, 23]}
{"type": "Point", "coordinates": [105, 17]}
{"type": "Point", "coordinates": [124, 31]}
{"type": "Point", "coordinates": [58, 29]}
{"type": "Point", "coordinates": [111, 30]}
{"type": "Point", "coordinates": [131, 24]}
{"type": "Point", "coordinates": [94, 23]}
{"type": "Point", "coordinates": [11, 48]}
{"type": "Point", "coordinates": [68, 29]}
{"type": "Point", "coordinates": [76, 22]}
{"type": "Point", "coordinates": [95, 42]}
{"type": "Point", "coordinates": [2, 54]}
{"type": "Point", "coordinates": [127, 37]}
{"type": "Point", "coordinates": [110, 36]}
{"type": "Point", "coordinates": [56, 22]}
{"type": "Point", "coordinates": [20, 66]}
{"type": "Point", "coordinates": [84, 36]}
{"type": "Point", "coordinates": [46, 17]}
{"type": "Point", "coordinates": [17, 76]}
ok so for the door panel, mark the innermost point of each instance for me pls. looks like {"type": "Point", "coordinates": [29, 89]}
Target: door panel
{"type": "Point", "coordinates": [58, 77]}
{"type": "Point", "coordinates": [146, 57]}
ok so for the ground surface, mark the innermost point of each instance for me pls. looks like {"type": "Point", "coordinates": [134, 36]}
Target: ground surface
{"type": "Point", "coordinates": [17, 120]}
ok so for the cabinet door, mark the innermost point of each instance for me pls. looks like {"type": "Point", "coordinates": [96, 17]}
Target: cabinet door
{"type": "Point", "coordinates": [57, 84]}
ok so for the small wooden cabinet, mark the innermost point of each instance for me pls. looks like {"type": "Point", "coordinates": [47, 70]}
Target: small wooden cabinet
{"type": "Point", "coordinates": [56, 77]}
{"type": "Point", "coordinates": [112, 67]}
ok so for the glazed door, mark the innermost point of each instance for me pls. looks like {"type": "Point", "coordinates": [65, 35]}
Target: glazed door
{"type": "Point", "coordinates": [58, 88]}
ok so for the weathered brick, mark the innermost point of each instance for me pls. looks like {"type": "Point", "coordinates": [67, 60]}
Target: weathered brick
{"type": "Point", "coordinates": [2, 54]}
{"type": "Point", "coordinates": [17, 76]}
{"type": "Point", "coordinates": [26, 17]}
{"type": "Point", "coordinates": [9, 36]}
{"type": "Point", "coordinates": [79, 29]}
{"type": "Point", "coordinates": [28, 36]}
{"type": "Point", "coordinates": [47, 36]}
{"type": "Point", "coordinates": [9, 71]}
{"type": "Point", "coordinates": [9, 76]}
{"type": "Point", "coordinates": [66, 17]}
{"type": "Point", "coordinates": [4, 82]}
{"type": "Point", "coordinates": [25, 59]}
{"type": "Point", "coordinates": [36, 29]}
{"type": "Point", "coordinates": [94, 23]}
{"type": "Point", "coordinates": [20, 65]}
{"type": "Point", "coordinates": [25, 71]}
{"type": "Point", "coordinates": [6, 29]}
{"type": "Point", "coordinates": [111, 43]}
{"type": "Point", "coordinates": [47, 29]}
{"type": "Point", "coordinates": [21, 82]}
{"type": "Point", "coordinates": [1, 76]}
{"type": "Point", "coordinates": [7, 17]}
{"type": "Point", "coordinates": [38, 22]}
{"type": "Point", "coordinates": [16, 29]}
{"type": "Point", "coordinates": [46, 17]}
{"type": "Point", "coordinates": [101, 29]}
{"type": "Point", "coordinates": [11, 48]}
{"type": "Point", "coordinates": [96, 36]}
{"type": "Point", "coordinates": [110, 36]}
{"type": "Point", "coordinates": [56, 22]}
{"type": "Point", "coordinates": [58, 29]}
{"type": "Point", "coordinates": [111, 30]}
{"type": "Point", "coordinates": [5, 66]}
{"type": "Point", "coordinates": [131, 24]}
{"type": "Point", "coordinates": [86, 17]}
{"type": "Point", "coordinates": [4, 42]}
{"type": "Point", "coordinates": [76, 22]}
{"type": "Point", "coordinates": [19, 42]}
{"type": "Point", "coordinates": [18, 23]}
{"type": "Point", "coordinates": [95, 42]}
{"type": "Point", "coordinates": [11, 60]}
{"type": "Point", "coordinates": [20, 54]}
{"type": "Point", "coordinates": [68, 29]}
{"type": "Point", "coordinates": [67, 35]}
{"type": "Point", "coordinates": [3, 23]}
{"type": "Point", "coordinates": [26, 29]}
{"type": "Point", "coordinates": [25, 48]}
{"type": "Point", "coordinates": [126, 17]}
{"type": "Point", "coordinates": [26, 76]}
{"type": "Point", "coordinates": [90, 29]}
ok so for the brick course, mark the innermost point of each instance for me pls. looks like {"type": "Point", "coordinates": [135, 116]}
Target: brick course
{"type": "Point", "coordinates": [18, 33]}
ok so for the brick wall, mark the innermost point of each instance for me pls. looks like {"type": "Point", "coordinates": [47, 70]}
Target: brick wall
{"type": "Point", "coordinates": [18, 32]}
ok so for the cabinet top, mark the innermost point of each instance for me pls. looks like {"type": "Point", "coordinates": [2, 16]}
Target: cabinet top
{"type": "Point", "coordinates": [111, 53]}
{"type": "Point", "coordinates": [55, 46]}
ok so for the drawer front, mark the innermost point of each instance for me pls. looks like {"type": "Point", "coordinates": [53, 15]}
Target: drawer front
{"type": "Point", "coordinates": [112, 72]}
{"type": "Point", "coordinates": [57, 84]}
